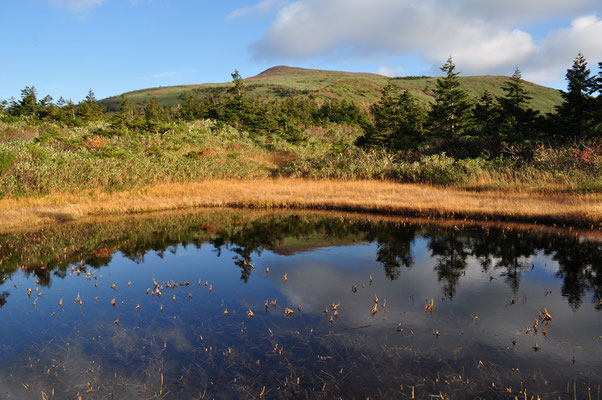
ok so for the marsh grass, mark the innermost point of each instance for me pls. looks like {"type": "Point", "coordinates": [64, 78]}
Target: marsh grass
{"type": "Point", "coordinates": [48, 172]}
{"type": "Point", "coordinates": [359, 196]}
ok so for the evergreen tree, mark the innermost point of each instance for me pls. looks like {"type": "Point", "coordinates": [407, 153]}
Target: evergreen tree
{"type": "Point", "coordinates": [451, 114]}
{"type": "Point", "coordinates": [189, 111]}
{"type": "Point", "coordinates": [238, 107]}
{"type": "Point", "coordinates": [123, 119]}
{"type": "Point", "coordinates": [397, 123]}
{"type": "Point", "coordinates": [576, 114]}
{"type": "Point", "coordinates": [408, 123]}
{"type": "Point", "coordinates": [28, 105]}
{"type": "Point", "coordinates": [516, 118]}
{"type": "Point", "coordinates": [516, 95]}
{"type": "Point", "coordinates": [89, 109]}
{"type": "Point", "coordinates": [485, 113]}
{"type": "Point", "coordinates": [47, 109]}
{"type": "Point", "coordinates": [154, 112]}
{"type": "Point", "coordinates": [377, 134]}
{"type": "Point", "coordinates": [238, 91]}
{"type": "Point", "coordinates": [155, 116]}
{"type": "Point", "coordinates": [127, 110]}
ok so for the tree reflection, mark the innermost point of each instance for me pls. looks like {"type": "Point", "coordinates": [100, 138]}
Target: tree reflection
{"type": "Point", "coordinates": [92, 246]}
{"type": "Point", "coordinates": [394, 249]}
{"type": "Point", "coordinates": [506, 250]}
{"type": "Point", "coordinates": [3, 297]}
{"type": "Point", "coordinates": [451, 251]}
{"type": "Point", "coordinates": [580, 269]}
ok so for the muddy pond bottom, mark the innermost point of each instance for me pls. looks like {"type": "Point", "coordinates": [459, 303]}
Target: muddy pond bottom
{"type": "Point", "coordinates": [232, 304]}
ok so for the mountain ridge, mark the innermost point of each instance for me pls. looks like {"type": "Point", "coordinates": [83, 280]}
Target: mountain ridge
{"type": "Point", "coordinates": [362, 88]}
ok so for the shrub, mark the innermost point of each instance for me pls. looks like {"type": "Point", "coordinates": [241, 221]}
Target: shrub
{"type": "Point", "coordinates": [7, 160]}
{"type": "Point", "coordinates": [49, 134]}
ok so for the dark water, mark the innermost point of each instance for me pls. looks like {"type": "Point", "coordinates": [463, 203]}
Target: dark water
{"type": "Point", "coordinates": [488, 285]}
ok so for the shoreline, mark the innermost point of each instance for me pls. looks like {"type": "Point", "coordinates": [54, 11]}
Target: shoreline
{"type": "Point", "coordinates": [369, 196]}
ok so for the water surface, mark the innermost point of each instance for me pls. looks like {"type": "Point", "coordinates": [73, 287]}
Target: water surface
{"type": "Point", "coordinates": [486, 336]}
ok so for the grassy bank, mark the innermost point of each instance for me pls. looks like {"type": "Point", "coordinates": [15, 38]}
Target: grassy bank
{"type": "Point", "coordinates": [363, 196]}
{"type": "Point", "coordinates": [41, 159]}
{"type": "Point", "coordinates": [49, 172]}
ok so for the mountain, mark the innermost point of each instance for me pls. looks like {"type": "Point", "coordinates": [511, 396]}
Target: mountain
{"type": "Point", "coordinates": [361, 88]}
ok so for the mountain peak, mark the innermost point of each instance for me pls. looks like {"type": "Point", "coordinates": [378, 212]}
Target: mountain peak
{"type": "Point", "coordinates": [281, 69]}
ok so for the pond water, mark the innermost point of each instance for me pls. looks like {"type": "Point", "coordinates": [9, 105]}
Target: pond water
{"type": "Point", "coordinates": [174, 306]}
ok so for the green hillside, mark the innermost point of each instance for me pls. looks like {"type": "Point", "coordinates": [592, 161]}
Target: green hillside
{"type": "Point", "coordinates": [362, 88]}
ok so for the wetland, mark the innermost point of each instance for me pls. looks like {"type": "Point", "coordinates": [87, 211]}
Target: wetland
{"type": "Point", "coordinates": [226, 303]}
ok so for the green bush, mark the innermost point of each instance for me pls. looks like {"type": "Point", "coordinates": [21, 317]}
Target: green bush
{"type": "Point", "coordinates": [49, 134]}
{"type": "Point", "coordinates": [7, 160]}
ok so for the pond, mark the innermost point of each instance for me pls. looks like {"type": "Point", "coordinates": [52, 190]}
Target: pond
{"type": "Point", "coordinates": [240, 304]}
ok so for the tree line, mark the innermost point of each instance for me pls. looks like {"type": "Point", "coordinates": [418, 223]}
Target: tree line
{"type": "Point", "coordinates": [398, 122]}
{"type": "Point", "coordinates": [492, 125]}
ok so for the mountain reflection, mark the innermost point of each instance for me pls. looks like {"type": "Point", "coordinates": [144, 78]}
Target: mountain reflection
{"type": "Point", "coordinates": [48, 254]}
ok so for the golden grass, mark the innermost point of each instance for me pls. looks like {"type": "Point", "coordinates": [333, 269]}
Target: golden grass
{"type": "Point", "coordinates": [363, 196]}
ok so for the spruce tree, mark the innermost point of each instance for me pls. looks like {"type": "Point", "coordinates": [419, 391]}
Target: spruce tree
{"type": "Point", "coordinates": [451, 114]}
{"type": "Point", "coordinates": [516, 95]}
{"type": "Point", "coordinates": [89, 109]}
{"type": "Point", "coordinates": [409, 123]}
{"type": "Point", "coordinates": [517, 118]}
{"type": "Point", "coordinates": [576, 113]}
{"type": "Point", "coordinates": [28, 105]}
{"type": "Point", "coordinates": [383, 112]}
{"type": "Point", "coordinates": [397, 122]}
{"type": "Point", "coordinates": [238, 107]}
{"type": "Point", "coordinates": [485, 111]}
{"type": "Point", "coordinates": [190, 109]}
{"type": "Point", "coordinates": [154, 112]}
{"type": "Point", "coordinates": [123, 119]}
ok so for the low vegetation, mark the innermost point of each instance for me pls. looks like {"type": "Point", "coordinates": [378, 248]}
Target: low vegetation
{"type": "Point", "coordinates": [499, 143]}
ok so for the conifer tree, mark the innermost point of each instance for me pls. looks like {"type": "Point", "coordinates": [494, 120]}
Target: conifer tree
{"type": "Point", "coordinates": [408, 124]}
{"type": "Point", "coordinates": [28, 105]}
{"type": "Point", "coordinates": [451, 114]}
{"type": "Point", "coordinates": [238, 90]}
{"type": "Point", "coordinates": [238, 107]}
{"type": "Point", "coordinates": [485, 112]}
{"type": "Point", "coordinates": [383, 112]}
{"type": "Point", "coordinates": [576, 113]}
{"type": "Point", "coordinates": [189, 109]}
{"type": "Point", "coordinates": [516, 95]}
{"type": "Point", "coordinates": [154, 112]}
{"type": "Point", "coordinates": [89, 109]}
{"type": "Point", "coordinates": [124, 118]}
{"type": "Point", "coordinates": [517, 118]}
{"type": "Point", "coordinates": [397, 124]}
{"type": "Point", "coordinates": [127, 109]}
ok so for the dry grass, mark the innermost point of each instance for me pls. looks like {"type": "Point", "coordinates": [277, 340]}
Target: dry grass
{"type": "Point", "coordinates": [363, 196]}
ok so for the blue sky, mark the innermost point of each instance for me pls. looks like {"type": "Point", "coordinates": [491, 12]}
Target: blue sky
{"type": "Point", "coordinates": [65, 47]}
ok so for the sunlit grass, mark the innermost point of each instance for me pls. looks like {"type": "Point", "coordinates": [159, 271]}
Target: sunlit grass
{"type": "Point", "coordinates": [363, 196]}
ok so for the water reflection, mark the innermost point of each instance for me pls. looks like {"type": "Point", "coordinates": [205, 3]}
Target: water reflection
{"type": "Point", "coordinates": [496, 248]}
{"type": "Point", "coordinates": [487, 284]}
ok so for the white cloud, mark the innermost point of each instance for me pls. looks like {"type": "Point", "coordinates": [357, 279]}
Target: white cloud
{"type": "Point", "coordinates": [559, 48]}
{"type": "Point", "coordinates": [521, 10]}
{"type": "Point", "coordinates": [481, 35]}
{"type": "Point", "coordinates": [262, 7]}
{"type": "Point", "coordinates": [391, 72]}
{"type": "Point", "coordinates": [76, 5]}
{"type": "Point", "coordinates": [311, 28]}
